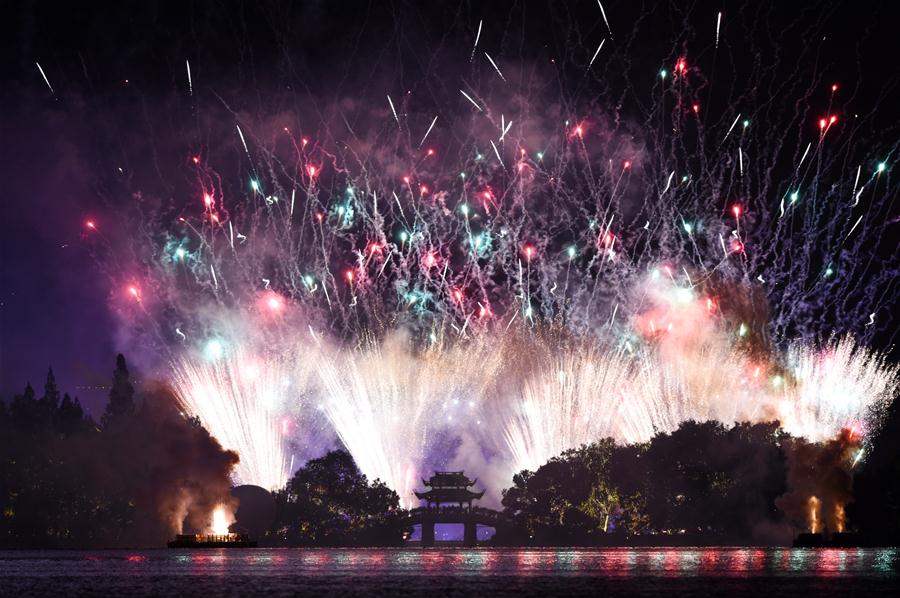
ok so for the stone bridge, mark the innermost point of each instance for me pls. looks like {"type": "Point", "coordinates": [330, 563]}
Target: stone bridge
{"type": "Point", "coordinates": [470, 517]}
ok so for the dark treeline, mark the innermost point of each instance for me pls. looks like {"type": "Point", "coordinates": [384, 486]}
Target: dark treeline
{"type": "Point", "coordinates": [145, 468]}
{"type": "Point", "coordinates": [128, 480]}
{"type": "Point", "coordinates": [702, 480]}
{"type": "Point", "coordinates": [707, 483]}
{"type": "Point", "coordinates": [132, 478]}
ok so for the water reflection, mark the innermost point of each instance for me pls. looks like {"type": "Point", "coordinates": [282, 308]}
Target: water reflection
{"type": "Point", "coordinates": [886, 560]}
{"type": "Point", "coordinates": [567, 562]}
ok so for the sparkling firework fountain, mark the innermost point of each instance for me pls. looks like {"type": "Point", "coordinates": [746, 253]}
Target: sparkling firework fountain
{"type": "Point", "coordinates": [241, 395]}
{"type": "Point", "coordinates": [573, 398]}
{"type": "Point", "coordinates": [560, 270]}
{"type": "Point", "coordinates": [384, 403]}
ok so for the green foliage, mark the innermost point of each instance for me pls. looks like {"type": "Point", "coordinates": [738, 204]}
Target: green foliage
{"type": "Point", "coordinates": [602, 504]}
{"type": "Point", "coordinates": [702, 480]}
{"type": "Point", "coordinates": [329, 502]}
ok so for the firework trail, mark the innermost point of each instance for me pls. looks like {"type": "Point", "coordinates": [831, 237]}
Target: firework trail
{"type": "Point", "coordinates": [573, 398]}
{"type": "Point", "coordinates": [240, 393]}
{"type": "Point", "coordinates": [389, 405]}
{"type": "Point", "coordinates": [700, 254]}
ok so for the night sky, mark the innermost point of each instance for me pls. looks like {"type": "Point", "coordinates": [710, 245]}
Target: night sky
{"type": "Point", "coordinates": [116, 68]}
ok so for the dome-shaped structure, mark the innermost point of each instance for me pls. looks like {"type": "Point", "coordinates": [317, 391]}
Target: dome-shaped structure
{"type": "Point", "coordinates": [256, 510]}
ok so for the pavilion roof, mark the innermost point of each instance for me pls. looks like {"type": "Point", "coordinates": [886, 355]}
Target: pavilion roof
{"type": "Point", "coordinates": [449, 495]}
{"type": "Point", "coordinates": [449, 479]}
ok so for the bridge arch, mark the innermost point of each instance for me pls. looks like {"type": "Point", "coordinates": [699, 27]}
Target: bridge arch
{"type": "Point", "coordinates": [469, 517]}
{"type": "Point", "coordinates": [449, 500]}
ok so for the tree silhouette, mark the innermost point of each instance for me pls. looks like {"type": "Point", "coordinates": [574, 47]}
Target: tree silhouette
{"type": "Point", "coordinates": [701, 480]}
{"type": "Point", "coordinates": [64, 482]}
{"type": "Point", "coordinates": [70, 416]}
{"type": "Point", "coordinates": [329, 502]}
{"type": "Point", "coordinates": [121, 395]}
{"type": "Point", "coordinates": [25, 410]}
{"type": "Point", "coordinates": [51, 393]}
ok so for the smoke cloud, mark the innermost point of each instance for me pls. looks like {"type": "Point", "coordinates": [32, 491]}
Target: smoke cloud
{"type": "Point", "coordinates": [173, 471]}
{"type": "Point", "coordinates": [820, 482]}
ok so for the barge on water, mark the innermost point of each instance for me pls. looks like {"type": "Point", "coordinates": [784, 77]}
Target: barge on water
{"type": "Point", "coordinates": [212, 541]}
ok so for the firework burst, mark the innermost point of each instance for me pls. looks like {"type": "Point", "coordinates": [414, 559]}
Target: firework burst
{"type": "Point", "coordinates": [701, 252]}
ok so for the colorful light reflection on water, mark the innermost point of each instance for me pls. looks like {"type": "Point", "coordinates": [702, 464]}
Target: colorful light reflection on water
{"type": "Point", "coordinates": [744, 571]}
{"type": "Point", "coordinates": [676, 562]}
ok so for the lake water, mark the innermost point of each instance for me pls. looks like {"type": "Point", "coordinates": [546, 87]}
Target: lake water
{"type": "Point", "coordinates": [288, 571]}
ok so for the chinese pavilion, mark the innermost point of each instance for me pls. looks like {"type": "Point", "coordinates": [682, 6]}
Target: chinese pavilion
{"type": "Point", "coordinates": [449, 488]}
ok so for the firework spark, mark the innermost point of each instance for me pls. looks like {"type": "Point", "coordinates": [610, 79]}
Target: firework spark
{"type": "Point", "coordinates": [693, 263]}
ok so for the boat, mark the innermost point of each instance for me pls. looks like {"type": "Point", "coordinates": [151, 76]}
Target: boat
{"type": "Point", "coordinates": [230, 540]}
